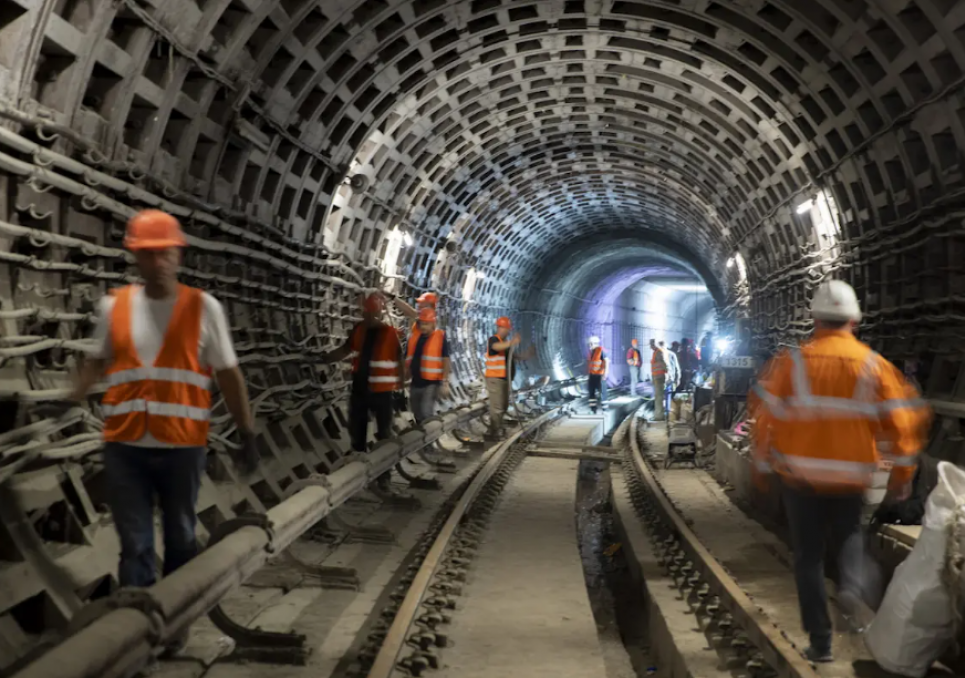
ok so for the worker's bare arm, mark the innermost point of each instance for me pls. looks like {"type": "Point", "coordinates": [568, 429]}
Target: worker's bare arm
{"type": "Point", "coordinates": [235, 392]}
{"type": "Point", "coordinates": [340, 353]}
{"type": "Point", "coordinates": [90, 373]}
{"type": "Point", "coordinates": [405, 309]}
{"type": "Point", "coordinates": [506, 345]}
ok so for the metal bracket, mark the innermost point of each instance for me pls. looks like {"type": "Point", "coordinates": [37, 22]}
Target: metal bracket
{"type": "Point", "coordinates": [245, 520]}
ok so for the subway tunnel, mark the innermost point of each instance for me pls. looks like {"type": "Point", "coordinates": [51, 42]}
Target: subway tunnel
{"type": "Point", "coordinates": [627, 169]}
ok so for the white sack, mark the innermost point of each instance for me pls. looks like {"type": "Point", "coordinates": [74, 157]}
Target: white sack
{"type": "Point", "coordinates": [914, 625]}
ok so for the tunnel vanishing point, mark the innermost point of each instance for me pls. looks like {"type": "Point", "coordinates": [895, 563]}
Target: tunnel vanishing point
{"type": "Point", "coordinates": [623, 168]}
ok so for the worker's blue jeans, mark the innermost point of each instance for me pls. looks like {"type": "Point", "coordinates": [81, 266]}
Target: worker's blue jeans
{"type": "Point", "coordinates": [820, 522]}
{"type": "Point", "coordinates": [135, 476]}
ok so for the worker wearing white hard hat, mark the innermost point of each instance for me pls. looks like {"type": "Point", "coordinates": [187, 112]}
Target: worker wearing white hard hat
{"type": "Point", "coordinates": [598, 364]}
{"type": "Point", "coordinates": [823, 411]}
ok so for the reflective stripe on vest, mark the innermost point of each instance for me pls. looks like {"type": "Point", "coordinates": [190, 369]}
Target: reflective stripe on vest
{"type": "Point", "coordinates": [170, 399]}
{"type": "Point", "coordinates": [431, 365]}
{"type": "Point", "coordinates": [496, 362]}
{"type": "Point", "coordinates": [383, 363]}
{"type": "Point", "coordinates": [596, 361]}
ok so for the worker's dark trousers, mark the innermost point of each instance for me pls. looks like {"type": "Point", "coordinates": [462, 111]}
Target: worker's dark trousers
{"type": "Point", "coordinates": [361, 403]}
{"type": "Point", "coordinates": [820, 522]}
{"type": "Point", "coordinates": [597, 385]}
{"type": "Point", "coordinates": [135, 475]}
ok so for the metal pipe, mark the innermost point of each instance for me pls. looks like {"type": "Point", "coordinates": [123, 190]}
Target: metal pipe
{"type": "Point", "coordinates": [120, 642]}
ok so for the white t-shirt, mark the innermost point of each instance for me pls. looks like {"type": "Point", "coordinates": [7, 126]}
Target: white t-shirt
{"type": "Point", "coordinates": [149, 320]}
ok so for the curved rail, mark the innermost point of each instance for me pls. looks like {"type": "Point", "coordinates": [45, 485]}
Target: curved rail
{"type": "Point", "coordinates": [682, 553]}
{"type": "Point", "coordinates": [386, 661]}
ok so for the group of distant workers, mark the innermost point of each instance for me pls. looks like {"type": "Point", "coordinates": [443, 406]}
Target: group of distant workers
{"type": "Point", "coordinates": [671, 370]}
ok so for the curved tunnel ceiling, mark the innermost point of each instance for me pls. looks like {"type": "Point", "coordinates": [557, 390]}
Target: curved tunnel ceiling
{"type": "Point", "coordinates": [513, 129]}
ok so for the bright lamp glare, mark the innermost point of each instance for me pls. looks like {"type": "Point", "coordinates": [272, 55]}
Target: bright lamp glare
{"type": "Point", "coordinates": [730, 263]}
{"type": "Point", "coordinates": [722, 344]}
{"type": "Point", "coordinates": [407, 238]}
{"type": "Point", "coordinates": [805, 207]}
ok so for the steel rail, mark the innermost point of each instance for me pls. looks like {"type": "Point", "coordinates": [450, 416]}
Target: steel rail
{"type": "Point", "coordinates": [776, 650]}
{"type": "Point", "coordinates": [119, 643]}
{"type": "Point", "coordinates": [386, 661]}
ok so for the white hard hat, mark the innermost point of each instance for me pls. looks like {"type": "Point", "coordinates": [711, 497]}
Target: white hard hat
{"type": "Point", "coordinates": [594, 341]}
{"type": "Point", "coordinates": [835, 300]}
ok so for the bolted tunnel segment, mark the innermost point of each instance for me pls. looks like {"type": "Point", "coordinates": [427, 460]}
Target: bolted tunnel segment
{"type": "Point", "coordinates": [627, 169]}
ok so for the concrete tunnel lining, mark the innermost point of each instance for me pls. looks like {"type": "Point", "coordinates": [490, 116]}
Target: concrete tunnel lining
{"type": "Point", "coordinates": [505, 134]}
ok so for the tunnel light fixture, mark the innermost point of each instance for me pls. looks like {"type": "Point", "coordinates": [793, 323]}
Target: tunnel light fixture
{"type": "Point", "coordinates": [730, 263]}
{"type": "Point", "coordinates": [686, 288]}
{"type": "Point", "coordinates": [805, 207]}
{"type": "Point", "coordinates": [407, 238]}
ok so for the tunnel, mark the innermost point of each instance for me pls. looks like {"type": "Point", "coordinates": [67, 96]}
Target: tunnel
{"type": "Point", "coordinates": [621, 169]}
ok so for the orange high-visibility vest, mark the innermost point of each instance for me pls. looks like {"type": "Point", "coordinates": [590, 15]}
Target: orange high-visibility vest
{"type": "Point", "coordinates": [658, 364]}
{"type": "Point", "coordinates": [384, 362]}
{"type": "Point", "coordinates": [596, 361]}
{"type": "Point", "coordinates": [823, 411]}
{"type": "Point", "coordinates": [633, 357]}
{"type": "Point", "coordinates": [431, 365]}
{"type": "Point", "coordinates": [170, 399]}
{"type": "Point", "coordinates": [496, 362]}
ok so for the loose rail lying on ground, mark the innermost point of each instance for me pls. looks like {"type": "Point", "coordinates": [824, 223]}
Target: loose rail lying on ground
{"type": "Point", "coordinates": [121, 641]}
{"type": "Point", "coordinates": [687, 559]}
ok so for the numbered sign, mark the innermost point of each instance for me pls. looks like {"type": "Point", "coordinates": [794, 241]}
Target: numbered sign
{"type": "Point", "coordinates": [742, 362]}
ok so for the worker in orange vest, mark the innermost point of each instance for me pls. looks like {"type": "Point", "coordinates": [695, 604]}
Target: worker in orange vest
{"type": "Point", "coordinates": [427, 364]}
{"type": "Point", "coordinates": [658, 375]}
{"type": "Point", "coordinates": [500, 373]}
{"type": "Point", "coordinates": [158, 344]}
{"type": "Point", "coordinates": [634, 361]}
{"type": "Point", "coordinates": [376, 355]}
{"type": "Point", "coordinates": [824, 412]}
{"type": "Point", "coordinates": [598, 366]}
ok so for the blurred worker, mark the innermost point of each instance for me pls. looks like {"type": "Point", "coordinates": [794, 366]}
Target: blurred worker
{"type": "Point", "coordinates": [634, 362]}
{"type": "Point", "coordinates": [500, 373]}
{"type": "Point", "coordinates": [673, 368]}
{"type": "Point", "coordinates": [427, 365]}
{"type": "Point", "coordinates": [376, 375]}
{"type": "Point", "coordinates": [819, 411]}
{"type": "Point", "coordinates": [658, 375]}
{"type": "Point", "coordinates": [688, 364]}
{"type": "Point", "coordinates": [158, 345]}
{"type": "Point", "coordinates": [598, 364]}
{"type": "Point", "coordinates": [427, 300]}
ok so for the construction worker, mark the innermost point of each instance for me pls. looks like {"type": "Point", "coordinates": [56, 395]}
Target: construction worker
{"type": "Point", "coordinates": [427, 364]}
{"type": "Point", "coordinates": [820, 410]}
{"type": "Point", "coordinates": [376, 376]}
{"type": "Point", "coordinates": [499, 373]}
{"type": "Point", "coordinates": [158, 345]}
{"type": "Point", "coordinates": [634, 362]}
{"type": "Point", "coordinates": [658, 376]}
{"type": "Point", "coordinates": [598, 364]}
{"type": "Point", "coordinates": [427, 300]}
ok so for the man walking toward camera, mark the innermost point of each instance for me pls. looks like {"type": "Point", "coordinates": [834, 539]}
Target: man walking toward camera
{"type": "Point", "coordinates": [821, 412]}
{"type": "Point", "coordinates": [158, 345]}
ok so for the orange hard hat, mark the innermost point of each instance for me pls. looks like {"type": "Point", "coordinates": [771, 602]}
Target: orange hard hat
{"type": "Point", "coordinates": [504, 322]}
{"type": "Point", "coordinates": [153, 230]}
{"type": "Point", "coordinates": [634, 342]}
{"type": "Point", "coordinates": [374, 303]}
{"type": "Point", "coordinates": [428, 298]}
{"type": "Point", "coordinates": [427, 315]}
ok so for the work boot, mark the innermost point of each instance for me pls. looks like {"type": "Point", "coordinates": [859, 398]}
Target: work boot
{"type": "Point", "coordinates": [818, 656]}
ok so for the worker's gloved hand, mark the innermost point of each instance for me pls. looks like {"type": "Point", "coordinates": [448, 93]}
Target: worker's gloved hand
{"type": "Point", "coordinates": [54, 409]}
{"type": "Point", "coordinates": [399, 401]}
{"type": "Point", "coordinates": [247, 458]}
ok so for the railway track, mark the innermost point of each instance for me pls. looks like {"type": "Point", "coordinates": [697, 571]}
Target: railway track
{"type": "Point", "coordinates": [714, 594]}
{"type": "Point", "coordinates": [423, 622]}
